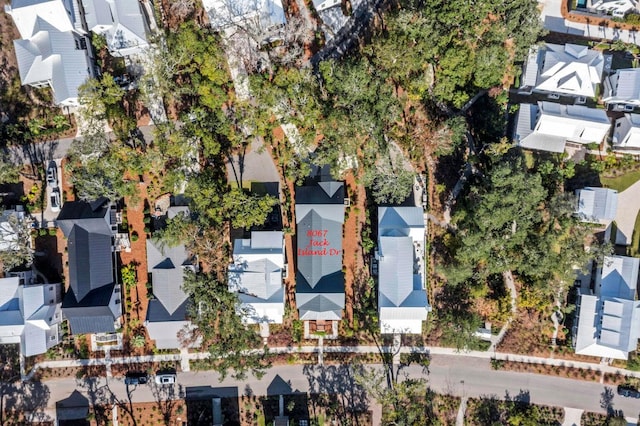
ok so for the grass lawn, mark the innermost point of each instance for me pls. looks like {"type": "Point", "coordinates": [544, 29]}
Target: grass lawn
{"type": "Point", "coordinates": [620, 183]}
{"type": "Point", "coordinates": [634, 248]}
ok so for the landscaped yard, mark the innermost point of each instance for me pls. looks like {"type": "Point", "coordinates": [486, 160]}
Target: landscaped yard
{"type": "Point", "coordinates": [621, 182]}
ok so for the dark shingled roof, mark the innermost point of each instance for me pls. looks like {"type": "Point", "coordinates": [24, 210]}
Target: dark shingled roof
{"type": "Point", "coordinates": [156, 312]}
{"type": "Point", "coordinates": [91, 314]}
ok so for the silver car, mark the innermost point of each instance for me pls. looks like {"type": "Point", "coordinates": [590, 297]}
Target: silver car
{"type": "Point", "coordinates": [52, 174]}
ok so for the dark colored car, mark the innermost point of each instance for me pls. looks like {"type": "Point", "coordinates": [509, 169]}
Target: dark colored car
{"type": "Point", "coordinates": [628, 391]}
{"type": "Point", "coordinates": [136, 378]}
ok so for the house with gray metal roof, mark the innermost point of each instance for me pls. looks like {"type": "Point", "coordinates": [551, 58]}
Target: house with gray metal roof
{"type": "Point", "coordinates": [30, 314]}
{"type": "Point", "coordinates": [167, 311]}
{"type": "Point", "coordinates": [608, 324]}
{"type": "Point", "coordinates": [570, 70]}
{"type": "Point", "coordinates": [121, 22]}
{"type": "Point", "coordinates": [52, 51]}
{"type": "Point", "coordinates": [597, 205]}
{"type": "Point", "coordinates": [92, 301]}
{"type": "Point", "coordinates": [626, 134]}
{"type": "Point", "coordinates": [622, 89]}
{"type": "Point", "coordinates": [550, 127]}
{"type": "Point", "coordinates": [402, 297]}
{"type": "Point", "coordinates": [320, 210]}
{"type": "Point", "coordinates": [256, 276]}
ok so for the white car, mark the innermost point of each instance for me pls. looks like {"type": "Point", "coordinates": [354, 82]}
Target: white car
{"type": "Point", "coordinates": [54, 200]}
{"type": "Point", "coordinates": [165, 379]}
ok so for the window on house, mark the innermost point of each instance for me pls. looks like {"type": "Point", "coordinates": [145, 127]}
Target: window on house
{"type": "Point", "coordinates": [52, 338]}
{"type": "Point", "coordinates": [51, 288]}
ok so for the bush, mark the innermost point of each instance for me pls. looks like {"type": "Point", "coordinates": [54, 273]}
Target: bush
{"type": "Point", "coordinates": [134, 237]}
{"type": "Point", "coordinates": [298, 331]}
{"type": "Point", "coordinates": [53, 232]}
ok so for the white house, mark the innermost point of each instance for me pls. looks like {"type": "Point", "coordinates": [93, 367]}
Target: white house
{"type": "Point", "coordinates": [256, 275]}
{"type": "Point", "coordinates": [53, 49]}
{"type": "Point", "coordinates": [626, 133]}
{"type": "Point", "coordinates": [597, 205]}
{"type": "Point", "coordinates": [120, 21]}
{"type": "Point", "coordinates": [262, 15]}
{"type": "Point", "coordinates": [569, 69]}
{"type": "Point", "coordinates": [608, 323]}
{"type": "Point", "coordinates": [550, 127]}
{"type": "Point", "coordinates": [622, 89]}
{"type": "Point", "coordinates": [615, 8]}
{"type": "Point", "coordinates": [29, 314]}
{"type": "Point", "coordinates": [402, 298]}
{"type": "Point", "coordinates": [320, 5]}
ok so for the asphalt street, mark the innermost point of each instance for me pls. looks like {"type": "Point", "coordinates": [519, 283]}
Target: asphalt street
{"type": "Point", "coordinates": [462, 376]}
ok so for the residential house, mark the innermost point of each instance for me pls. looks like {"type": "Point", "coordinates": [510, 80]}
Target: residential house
{"type": "Point", "coordinates": [320, 5]}
{"type": "Point", "coordinates": [615, 8]}
{"type": "Point", "coordinates": [121, 22]}
{"type": "Point", "coordinates": [30, 314]}
{"type": "Point", "coordinates": [597, 205]}
{"type": "Point", "coordinates": [569, 70]}
{"type": "Point", "coordinates": [402, 298]}
{"type": "Point", "coordinates": [626, 134]}
{"type": "Point", "coordinates": [258, 15]}
{"type": "Point", "coordinates": [608, 324]}
{"type": "Point", "coordinates": [256, 275]}
{"type": "Point", "coordinates": [167, 311]}
{"type": "Point", "coordinates": [622, 89]}
{"type": "Point", "coordinates": [320, 210]}
{"type": "Point", "coordinates": [92, 302]}
{"type": "Point", "coordinates": [52, 50]}
{"type": "Point", "coordinates": [552, 127]}
{"type": "Point", "coordinates": [12, 225]}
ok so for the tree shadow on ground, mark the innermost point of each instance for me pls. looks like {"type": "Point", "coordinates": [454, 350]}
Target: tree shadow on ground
{"type": "Point", "coordinates": [200, 405]}
{"type": "Point", "coordinates": [335, 389]}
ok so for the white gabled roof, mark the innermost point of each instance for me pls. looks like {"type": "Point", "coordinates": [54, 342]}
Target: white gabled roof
{"type": "Point", "coordinates": [263, 13]}
{"type": "Point", "coordinates": [626, 133]}
{"type": "Point", "coordinates": [256, 275]}
{"type": "Point", "coordinates": [557, 124]}
{"type": "Point", "coordinates": [597, 204]}
{"type": "Point", "coordinates": [120, 21]}
{"type": "Point", "coordinates": [570, 69]}
{"type": "Point", "coordinates": [609, 321]}
{"type": "Point", "coordinates": [625, 86]}
{"type": "Point", "coordinates": [27, 315]}
{"type": "Point", "coordinates": [48, 51]}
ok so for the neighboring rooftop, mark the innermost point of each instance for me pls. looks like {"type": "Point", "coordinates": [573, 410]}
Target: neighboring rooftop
{"type": "Point", "coordinates": [120, 21]}
{"type": "Point", "coordinates": [609, 321]}
{"type": "Point", "coordinates": [557, 124]}
{"type": "Point", "coordinates": [623, 87]}
{"type": "Point", "coordinates": [597, 204]}
{"type": "Point", "coordinates": [256, 275]}
{"type": "Point", "coordinates": [626, 133]}
{"type": "Point", "coordinates": [262, 14]}
{"type": "Point", "coordinates": [29, 315]}
{"type": "Point", "coordinates": [53, 50]}
{"type": "Point", "coordinates": [568, 69]}
{"type": "Point", "coordinates": [402, 298]}
{"type": "Point", "coordinates": [167, 312]}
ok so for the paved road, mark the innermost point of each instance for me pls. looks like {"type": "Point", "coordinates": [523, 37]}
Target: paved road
{"type": "Point", "coordinates": [462, 376]}
{"type": "Point", "coordinates": [553, 21]}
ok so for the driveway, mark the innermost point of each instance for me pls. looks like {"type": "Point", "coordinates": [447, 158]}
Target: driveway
{"type": "Point", "coordinates": [628, 207]}
{"type": "Point", "coordinates": [256, 165]}
{"type": "Point", "coordinates": [553, 21]}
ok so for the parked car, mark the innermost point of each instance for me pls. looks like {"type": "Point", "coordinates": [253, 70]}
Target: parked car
{"type": "Point", "coordinates": [54, 199]}
{"type": "Point", "coordinates": [136, 378]}
{"type": "Point", "coordinates": [166, 378]}
{"type": "Point", "coordinates": [52, 174]}
{"type": "Point", "coordinates": [628, 391]}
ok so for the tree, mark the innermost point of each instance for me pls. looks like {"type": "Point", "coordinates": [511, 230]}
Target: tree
{"type": "Point", "coordinates": [9, 172]}
{"type": "Point", "coordinates": [217, 315]}
{"type": "Point", "coordinates": [246, 209]}
{"type": "Point", "coordinates": [15, 233]}
{"type": "Point", "coordinates": [389, 183]}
